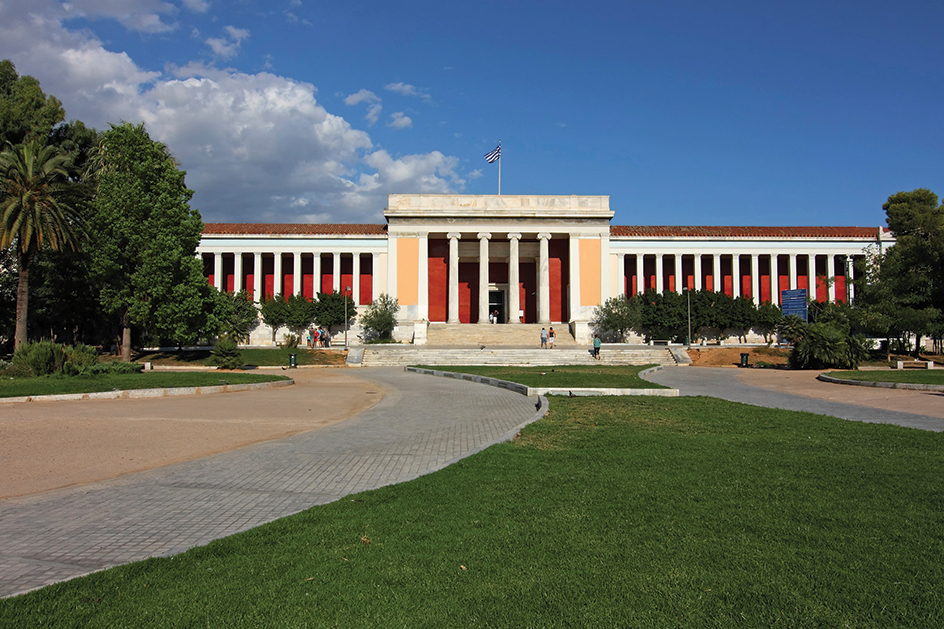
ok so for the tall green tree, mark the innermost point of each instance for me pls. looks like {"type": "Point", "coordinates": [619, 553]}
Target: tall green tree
{"type": "Point", "coordinates": [144, 237]}
{"type": "Point", "coordinates": [329, 309]}
{"type": "Point", "coordinates": [617, 316]}
{"type": "Point", "coordinates": [39, 206]}
{"type": "Point", "coordinates": [26, 113]}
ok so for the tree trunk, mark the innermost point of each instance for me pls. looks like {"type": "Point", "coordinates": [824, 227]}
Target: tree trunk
{"type": "Point", "coordinates": [22, 299]}
{"type": "Point", "coordinates": [125, 339]}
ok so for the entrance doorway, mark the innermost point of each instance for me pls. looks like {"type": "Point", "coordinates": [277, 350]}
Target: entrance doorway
{"type": "Point", "coordinates": [496, 302]}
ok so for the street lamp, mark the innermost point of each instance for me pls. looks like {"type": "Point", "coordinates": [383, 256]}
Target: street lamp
{"type": "Point", "coordinates": [346, 289]}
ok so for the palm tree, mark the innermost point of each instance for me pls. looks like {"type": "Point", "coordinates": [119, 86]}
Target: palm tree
{"type": "Point", "coordinates": [38, 207]}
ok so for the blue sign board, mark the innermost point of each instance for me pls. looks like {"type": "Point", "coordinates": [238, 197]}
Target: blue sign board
{"type": "Point", "coordinates": [793, 302]}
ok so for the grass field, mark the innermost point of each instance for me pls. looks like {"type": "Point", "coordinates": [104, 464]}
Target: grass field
{"type": "Point", "coordinates": [610, 512]}
{"type": "Point", "coordinates": [53, 385]}
{"type": "Point", "coordinates": [616, 377]}
{"type": "Point", "coordinates": [914, 376]}
{"type": "Point", "coordinates": [253, 357]}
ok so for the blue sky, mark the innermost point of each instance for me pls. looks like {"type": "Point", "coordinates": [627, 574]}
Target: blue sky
{"type": "Point", "coordinates": [724, 113]}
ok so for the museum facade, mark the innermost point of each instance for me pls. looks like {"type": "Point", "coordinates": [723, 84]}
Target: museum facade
{"type": "Point", "coordinates": [528, 259]}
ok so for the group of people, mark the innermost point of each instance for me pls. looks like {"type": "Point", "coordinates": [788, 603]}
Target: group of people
{"type": "Point", "coordinates": [547, 341]}
{"type": "Point", "coordinates": [318, 337]}
{"type": "Point", "coordinates": [493, 317]}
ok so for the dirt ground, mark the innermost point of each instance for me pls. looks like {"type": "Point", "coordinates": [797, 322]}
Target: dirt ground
{"type": "Point", "coordinates": [50, 445]}
{"type": "Point", "coordinates": [731, 356]}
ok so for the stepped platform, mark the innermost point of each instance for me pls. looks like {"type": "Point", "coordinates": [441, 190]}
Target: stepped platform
{"type": "Point", "coordinates": [402, 355]}
{"type": "Point", "coordinates": [500, 334]}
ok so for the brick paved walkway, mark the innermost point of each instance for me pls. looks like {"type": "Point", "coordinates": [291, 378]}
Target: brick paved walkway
{"type": "Point", "coordinates": [423, 424]}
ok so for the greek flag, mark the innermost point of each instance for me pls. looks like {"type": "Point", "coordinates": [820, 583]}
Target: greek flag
{"type": "Point", "coordinates": [494, 155]}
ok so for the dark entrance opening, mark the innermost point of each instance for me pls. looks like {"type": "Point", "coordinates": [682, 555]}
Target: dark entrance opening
{"type": "Point", "coordinates": [496, 302]}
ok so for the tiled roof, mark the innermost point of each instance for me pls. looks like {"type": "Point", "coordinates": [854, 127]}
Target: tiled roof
{"type": "Point", "coordinates": [708, 231]}
{"type": "Point", "coordinates": [290, 229]}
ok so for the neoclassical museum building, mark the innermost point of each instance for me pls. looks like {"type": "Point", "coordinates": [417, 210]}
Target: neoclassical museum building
{"type": "Point", "coordinates": [534, 259]}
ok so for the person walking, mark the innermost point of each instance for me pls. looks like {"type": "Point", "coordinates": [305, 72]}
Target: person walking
{"type": "Point", "coordinates": [550, 337]}
{"type": "Point", "coordinates": [596, 346]}
{"type": "Point", "coordinates": [543, 338]}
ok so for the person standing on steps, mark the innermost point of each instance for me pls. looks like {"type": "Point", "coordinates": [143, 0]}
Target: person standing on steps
{"type": "Point", "coordinates": [550, 338]}
{"type": "Point", "coordinates": [596, 346]}
{"type": "Point", "coordinates": [543, 338]}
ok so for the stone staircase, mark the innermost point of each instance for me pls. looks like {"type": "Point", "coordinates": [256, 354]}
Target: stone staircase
{"type": "Point", "coordinates": [402, 355]}
{"type": "Point", "coordinates": [501, 334]}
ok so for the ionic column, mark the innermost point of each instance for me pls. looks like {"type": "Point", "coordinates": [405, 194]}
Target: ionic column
{"type": "Point", "coordinates": [218, 271]}
{"type": "Point", "coordinates": [514, 281]}
{"type": "Point", "coordinates": [483, 276]}
{"type": "Point", "coordinates": [640, 280]}
{"type": "Point", "coordinates": [297, 273]}
{"type": "Point", "coordinates": [544, 280]}
{"type": "Point", "coordinates": [257, 277]}
{"type": "Point", "coordinates": [621, 269]}
{"type": "Point", "coordinates": [679, 276]}
{"type": "Point", "coordinates": [573, 247]}
{"type": "Point", "coordinates": [356, 279]}
{"type": "Point", "coordinates": [277, 283]}
{"type": "Point", "coordinates": [716, 273]}
{"type": "Point", "coordinates": [422, 298]}
{"type": "Point", "coordinates": [736, 275]}
{"type": "Point", "coordinates": [374, 284]}
{"type": "Point", "coordinates": [831, 278]}
{"type": "Point", "coordinates": [336, 273]}
{"type": "Point", "coordinates": [755, 278]}
{"type": "Point", "coordinates": [775, 279]}
{"type": "Point", "coordinates": [453, 314]}
{"type": "Point", "coordinates": [850, 275]}
{"type": "Point", "coordinates": [793, 271]}
{"type": "Point", "coordinates": [660, 285]}
{"type": "Point", "coordinates": [238, 272]}
{"type": "Point", "coordinates": [316, 274]}
{"type": "Point", "coordinates": [698, 271]}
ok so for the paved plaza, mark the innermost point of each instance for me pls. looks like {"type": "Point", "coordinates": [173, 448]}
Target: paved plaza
{"type": "Point", "coordinates": [422, 424]}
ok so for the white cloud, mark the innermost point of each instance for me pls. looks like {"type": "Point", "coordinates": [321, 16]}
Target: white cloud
{"type": "Point", "coordinates": [373, 113]}
{"type": "Point", "coordinates": [146, 16]}
{"type": "Point", "coordinates": [227, 48]}
{"type": "Point", "coordinates": [197, 6]}
{"type": "Point", "coordinates": [256, 147]}
{"type": "Point", "coordinates": [399, 120]}
{"type": "Point", "coordinates": [361, 96]}
{"type": "Point", "coordinates": [406, 89]}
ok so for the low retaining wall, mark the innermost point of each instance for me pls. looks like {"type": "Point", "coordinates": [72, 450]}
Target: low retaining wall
{"type": "Point", "coordinates": [882, 385]}
{"type": "Point", "coordinates": [542, 391]}
{"type": "Point", "coordinates": [131, 394]}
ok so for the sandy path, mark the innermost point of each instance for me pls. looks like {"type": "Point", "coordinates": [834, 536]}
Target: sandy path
{"type": "Point", "coordinates": [49, 445]}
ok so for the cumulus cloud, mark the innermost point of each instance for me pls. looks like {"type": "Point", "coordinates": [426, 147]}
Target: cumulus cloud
{"type": "Point", "coordinates": [197, 6]}
{"type": "Point", "coordinates": [361, 96]}
{"type": "Point", "coordinates": [146, 16]}
{"type": "Point", "coordinates": [256, 147]}
{"type": "Point", "coordinates": [373, 113]}
{"type": "Point", "coordinates": [406, 89]}
{"type": "Point", "coordinates": [399, 120]}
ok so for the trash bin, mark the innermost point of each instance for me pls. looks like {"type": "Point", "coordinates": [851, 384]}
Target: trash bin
{"type": "Point", "coordinates": [293, 360]}
{"type": "Point", "coordinates": [744, 358]}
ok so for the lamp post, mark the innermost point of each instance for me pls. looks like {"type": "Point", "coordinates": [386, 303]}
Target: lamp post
{"type": "Point", "coordinates": [688, 294]}
{"type": "Point", "coordinates": [346, 289]}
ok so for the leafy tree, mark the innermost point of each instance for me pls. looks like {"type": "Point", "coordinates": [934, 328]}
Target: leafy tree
{"type": "Point", "coordinates": [62, 299]}
{"type": "Point", "coordinates": [301, 312]}
{"type": "Point", "coordinates": [240, 317]}
{"type": "Point", "coordinates": [226, 355]}
{"type": "Point", "coordinates": [618, 315]}
{"type": "Point", "coordinates": [711, 313]}
{"type": "Point", "coordinates": [792, 328]}
{"type": "Point", "coordinates": [275, 312]}
{"type": "Point", "coordinates": [329, 309]}
{"type": "Point", "coordinates": [743, 316]}
{"type": "Point", "coordinates": [663, 316]}
{"type": "Point", "coordinates": [767, 320]}
{"type": "Point", "coordinates": [26, 113]}
{"type": "Point", "coordinates": [381, 317]}
{"type": "Point", "coordinates": [39, 207]}
{"type": "Point", "coordinates": [145, 235]}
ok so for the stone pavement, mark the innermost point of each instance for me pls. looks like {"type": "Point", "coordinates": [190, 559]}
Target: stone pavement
{"type": "Point", "coordinates": [422, 424]}
{"type": "Point", "coordinates": [800, 391]}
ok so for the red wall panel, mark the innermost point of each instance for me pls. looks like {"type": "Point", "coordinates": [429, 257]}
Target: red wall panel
{"type": "Point", "coordinates": [438, 279]}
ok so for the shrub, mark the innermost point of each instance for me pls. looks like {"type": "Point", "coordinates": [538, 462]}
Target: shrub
{"type": "Point", "coordinates": [289, 341]}
{"type": "Point", "coordinates": [79, 359]}
{"type": "Point", "coordinates": [381, 318]}
{"type": "Point", "coordinates": [226, 354]}
{"type": "Point", "coordinates": [827, 345]}
{"type": "Point", "coordinates": [42, 358]}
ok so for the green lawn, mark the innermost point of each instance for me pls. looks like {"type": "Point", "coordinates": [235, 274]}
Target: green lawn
{"type": "Point", "coordinates": [914, 376]}
{"type": "Point", "coordinates": [254, 357]}
{"type": "Point", "coordinates": [610, 512]}
{"type": "Point", "coordinates": [52, 385]}
{"type": "Point", "coordinates": [610, 377]}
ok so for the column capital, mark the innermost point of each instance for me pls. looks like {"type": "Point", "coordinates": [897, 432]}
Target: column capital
{"type": "Point", "coordinates": [484, 235]}
{"type": "Point", "coordinates": [454, 236]}
{"type": "Point", "coordinates": [544, 236]}
{"type": "Point", "coordinates": [514, 235]}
